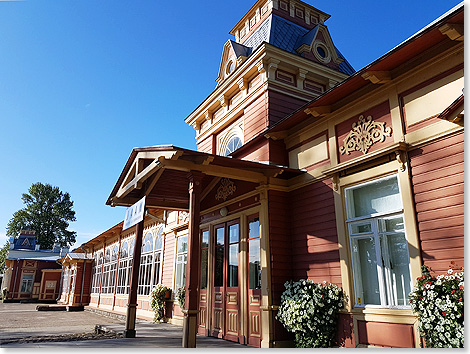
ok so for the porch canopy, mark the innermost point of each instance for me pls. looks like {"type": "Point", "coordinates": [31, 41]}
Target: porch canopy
{"type": "Point", "coordinates": [161, 174]}
{"type": "Point", "coordinates": [175, 178]}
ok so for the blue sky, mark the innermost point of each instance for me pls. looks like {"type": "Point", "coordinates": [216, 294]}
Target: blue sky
{"type": "Point", "coordinates": [83, 82]}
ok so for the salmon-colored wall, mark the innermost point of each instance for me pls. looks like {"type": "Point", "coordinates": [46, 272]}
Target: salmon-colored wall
{"type": "Point", "coordinates": [313, 232]}
{"type": "Point", "coordinates": [281, 105]}
{"type": "Point", "coordinates": [438, 184]}
{"type": "Point", "coordinates": [395, 335]}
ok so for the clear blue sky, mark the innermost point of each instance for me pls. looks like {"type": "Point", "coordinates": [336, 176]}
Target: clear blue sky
{"type": "Point", "coordinates": [83, 82]}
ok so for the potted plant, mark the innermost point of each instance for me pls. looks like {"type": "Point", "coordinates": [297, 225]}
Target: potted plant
{"type": "Point", "coordinates": [157, 301]}
{"type": "Point", "coordinates": [180, 295]}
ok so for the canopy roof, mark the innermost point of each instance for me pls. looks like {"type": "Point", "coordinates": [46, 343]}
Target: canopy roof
{"type": "Point", "coordinates": [161, 174]}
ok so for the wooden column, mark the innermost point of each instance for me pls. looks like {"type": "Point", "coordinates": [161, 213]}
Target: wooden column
{"type": "Point", "coordinates": [132, 302]}
{"type": "Point", "coordinates": [193, 259]}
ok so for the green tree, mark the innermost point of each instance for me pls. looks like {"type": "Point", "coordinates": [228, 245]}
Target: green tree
{"type": "Point", "coordinates": [48, 212]}
{"type": "Point", "coordinates": [3, 256]}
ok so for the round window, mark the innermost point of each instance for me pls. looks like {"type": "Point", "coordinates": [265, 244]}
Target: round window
{"type": "Point", "coordinates": [230, 67]}
{"type": "Point", "coordinates": [321, 52]}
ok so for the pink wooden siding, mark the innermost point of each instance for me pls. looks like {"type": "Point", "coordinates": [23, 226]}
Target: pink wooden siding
{"type": "Point", "coordinates": [314, 236]}
{"type": "Point", "coordinates": [438, 183]}
{"type": "Point", "coordinates": [168, 260]}
{"type": "Point", "coordinates": [281, 105]}
{"type": "Point", "coordinates": [255, 118]}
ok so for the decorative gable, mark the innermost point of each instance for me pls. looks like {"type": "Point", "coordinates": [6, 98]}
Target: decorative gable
{"type": "Point", "coordinates": [318, 45]}
{"type": "Point", "coordinates": [233, 55]}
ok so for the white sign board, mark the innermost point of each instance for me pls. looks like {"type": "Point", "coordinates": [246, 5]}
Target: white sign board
{"type": "Point", "coordinates": [134, 214]}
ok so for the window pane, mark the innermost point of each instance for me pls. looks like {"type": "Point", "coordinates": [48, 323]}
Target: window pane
{"type": "Point", "coordinates": [233, 233]}
{"type": "Point", "coordinates": [233, 265]}
{"type": "Point", "coordinates": [254, 266]}
{"type": "Point", "coordinates": [360, 228]}
{"type": "Point", "coordinates": [147, 243]}
{"type": "Point", "coordinates": [204, 256]}
{"type": "Point", "coordinates": [253, 227]}
{"type": "Point", "coordinates": [220, 236]}
{"type": "Point", "coordinates": [205, 239]}
{"type": "Point", "coordinates": [365, 271]}
{"type": "Point", "coordinates": [393, 224]}
{"type": "Point", "coordinates": [377, 197]}
{"type": "Point", "coordinates": [398, 266]}
{"type": "Point", "coordinates": [182, 244]}
{"type": "Point", "coordinates": [219, 266]}
{"type": "Point", "coordinates": [159, 242]}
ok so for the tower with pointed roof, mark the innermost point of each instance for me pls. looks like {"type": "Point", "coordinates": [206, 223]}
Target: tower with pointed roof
{"type": "Point", "coordinates": [282, 57]}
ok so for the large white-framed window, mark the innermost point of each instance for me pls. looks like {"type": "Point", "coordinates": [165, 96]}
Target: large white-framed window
{"type": "Point", "coordinates": [106, 270]}
{"type": "Point", "coordinates": [379, 248]}
{"type": "Point", "coordinates": [181, 259]}
{"type": "Point", "coordinates": [122, 284]}
{"type": "Point", "coordinates": [158, 256]}
{"type": "Point", "coordinates": [112, 269]}
{"type": "Point", "coordinates": [146, 263]}
{"type": "Point", "coordinates": [96, 279]}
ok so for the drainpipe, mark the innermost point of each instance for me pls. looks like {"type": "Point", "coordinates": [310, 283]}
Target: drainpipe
{"type": "Point", "coordinates": [83, 274]}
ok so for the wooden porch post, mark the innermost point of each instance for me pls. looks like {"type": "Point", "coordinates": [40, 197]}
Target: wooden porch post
{"type": "Point", "coordinates": [132, 302]}
{"type": "Point", "coordinates": [193, 259]}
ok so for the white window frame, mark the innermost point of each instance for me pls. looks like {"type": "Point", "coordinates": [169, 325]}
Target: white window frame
{"type": "Point", "coordinates": [225, 140]}
{"type": "Point", "coordinates": [181, 258]}
{"type": "Point", "coordinates": [381, 253]}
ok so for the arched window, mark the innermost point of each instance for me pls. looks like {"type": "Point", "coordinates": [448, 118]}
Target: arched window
{"type": "Point", "coordinates": [233, 144]}
{"type": "Point", "coordinates": [158, 256]}
{"type": "Point", "coordinates": [112, 269]}
{"type": "Point", "coordinates": [97, 273]}
{"type": "Point", "coordinates": [231, 141]}
{"type": "Point", "coordinates": [123, 263]}
{"type": "Point", "coordinates": [106, 270]}
{"type": "Point", "coordinates": [146, 263]}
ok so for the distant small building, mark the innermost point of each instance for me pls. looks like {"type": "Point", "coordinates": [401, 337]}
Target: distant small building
{"type": "Point", "coordinates": [76, 279]}
{"type": "Point", "coordinates": [31, 273]}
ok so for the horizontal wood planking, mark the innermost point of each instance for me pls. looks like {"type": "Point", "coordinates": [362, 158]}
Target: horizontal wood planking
{"type": "Point", "coordinates": [315, 250]}
{"type": "Point", "coordinates": [280, 105]}
{"type": "Point", "coordinates": [438, 184]}
{"type": "Point", "coordinates": [281, 262]}
{"type": "Point", "coordinates": [205, 145]}
{"type": "Point", "coordinates": [168, 260]}
{"type": "Point", "coordinates": [255, 118]}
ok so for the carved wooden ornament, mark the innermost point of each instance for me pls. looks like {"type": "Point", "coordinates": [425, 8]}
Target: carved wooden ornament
{"type": "Point", "coordinates": [226, 189]}
{"type": "Point", "coordinates": [364, 134]}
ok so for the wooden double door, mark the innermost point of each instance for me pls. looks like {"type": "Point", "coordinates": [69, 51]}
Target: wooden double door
{"type": "Point", "coordinates": [225, 296]}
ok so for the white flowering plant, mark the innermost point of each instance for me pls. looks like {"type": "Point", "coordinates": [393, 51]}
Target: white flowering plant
{"type": "Point", "coordinates": [310, 311]}
{"type": "Point", "coordinates": [157, 302]}
{"type": "Point", "coordinates": [180, 295]}
{"type": "Point", "coordinates": [439, 303]}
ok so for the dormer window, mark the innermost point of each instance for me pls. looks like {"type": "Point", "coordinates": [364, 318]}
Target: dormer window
{"type": "Point", "coordinates": [230, 67]}
{"type": "Point", "coordinates": [321, 52]}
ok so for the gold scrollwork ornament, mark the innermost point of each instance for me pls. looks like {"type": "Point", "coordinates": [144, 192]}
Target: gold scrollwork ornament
{"type": "Point", "coordinates": [365, 132]}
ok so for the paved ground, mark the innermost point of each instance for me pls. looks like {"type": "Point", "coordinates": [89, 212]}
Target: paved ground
{"type": "Point", "coordinates": [22, 320]}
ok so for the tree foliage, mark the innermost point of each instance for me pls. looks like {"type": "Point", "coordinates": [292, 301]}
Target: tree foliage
{"type": "Point", "coordinates": [3, 256]}
{"type": "Point", "coordinates": [48, 211]}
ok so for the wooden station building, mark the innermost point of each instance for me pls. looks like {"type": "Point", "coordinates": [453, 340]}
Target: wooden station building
{"type": "Point", "coordinates": [305, 168]}
{"type": "Point", "coordinates": [31, 274]}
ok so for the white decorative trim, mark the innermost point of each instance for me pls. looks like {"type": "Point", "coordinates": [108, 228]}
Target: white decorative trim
{"type": "Point", "coordinates": [365, 132]}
